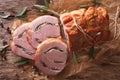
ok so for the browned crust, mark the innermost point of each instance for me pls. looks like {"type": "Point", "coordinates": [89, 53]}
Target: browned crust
{"type": "Point", "coordinates": [94, 24]}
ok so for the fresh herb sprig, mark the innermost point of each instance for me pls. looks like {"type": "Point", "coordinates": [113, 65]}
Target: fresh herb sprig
{"type": "Point", "coordinates": [21, 62]}
{"type": "Point", "coordinates": [3, 47]}
{"type": "Point", "coordinates": [96, 2]}
{"type": "Point", "coordinates": [91, 52]}
{"type": "Point", "coordinates": [21, 13]}
{"type": "Point", "coordinates": [4, 15]}
{"type": "Point", "coordinates": [75, 58]}
{"type": "Point", "coordinates": [42, 7]}
{"type": "Point", "coordinates": [84, 6]}
{"type": "Point", "coordinates": [3, 50]}
{"type": "Point", "coordinates": [46, 3]}
{"type": "Point", "coordinates": [41, 12]}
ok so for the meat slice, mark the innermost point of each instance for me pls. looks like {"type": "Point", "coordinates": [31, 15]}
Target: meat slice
{"type": "Point", "coordinates": [85, 27]}
{"type": "Point", "coordinates": [42, 28]}
{"type": "Point", "coordinates": [20, 46]}
{"type": "Point", "coordinates": [51, 56]}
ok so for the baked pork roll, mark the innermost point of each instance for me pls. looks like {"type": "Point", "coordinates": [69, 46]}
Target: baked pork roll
{"type": "Point", "coordinates": [85, 27]}
{"type": "Point", "coordinates": [51, 56]}
{"type": "Point", "coordinates": [20, 46]}
{"type": "Point", "coordinates": [42, 28]}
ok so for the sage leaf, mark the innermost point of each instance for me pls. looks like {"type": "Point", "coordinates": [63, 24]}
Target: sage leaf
{"type": "Point", "coordinates": [41, 11]}
{"type": "Point", "coordinates": [96, 1]}
{"type": "Point", "coordinates": [91, 52]}
{"type": "Point", "coordinates": [21, 62]}
{"type": "Point", "coordinates": [75, 59]}
{"type": "Point", "coordinates": [42, 7]}
{"type": "Point", "coordinates": [3, 47]}
{"type": "Point", "coordinates": [21, 12]}
{"type": "Point", "coordinates": [83, 6]}
{"type": "Point", "coordinates": [23, 17]}
{"type": "Point", "coordinates": [4, 15]}
{"type": "Point", "coordinates": [46, 3]}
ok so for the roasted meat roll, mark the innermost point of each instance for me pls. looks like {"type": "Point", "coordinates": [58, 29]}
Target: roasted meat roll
{"type": "Point", "coordinates": [42, 28]}
{"type": "Point", "coordinates": [85, 27]}
{"type": "Point", "coordinates": [51, 56]}
{"type": "Point", "coordinates": [20, 46]}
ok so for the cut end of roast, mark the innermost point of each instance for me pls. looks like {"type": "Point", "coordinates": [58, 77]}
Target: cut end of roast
{"type": "Point", "coordinates": [20, 46]}
{"type": "Point", "coordinates": [42, 28]}
{"type": "Point", "coordinates": [27, 36]}
{"type": "Point", "coordinates": [51, 56]}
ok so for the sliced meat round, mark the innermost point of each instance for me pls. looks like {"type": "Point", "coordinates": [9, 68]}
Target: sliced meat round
{"type": "Point", "coordinates": [51, 56]}
{"type": "Point", "coordinates": [85, 27]}
{"type": "Point", "coordinates": [42, 28]}
{"type": "Point", "coordinates": [20, 46]}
